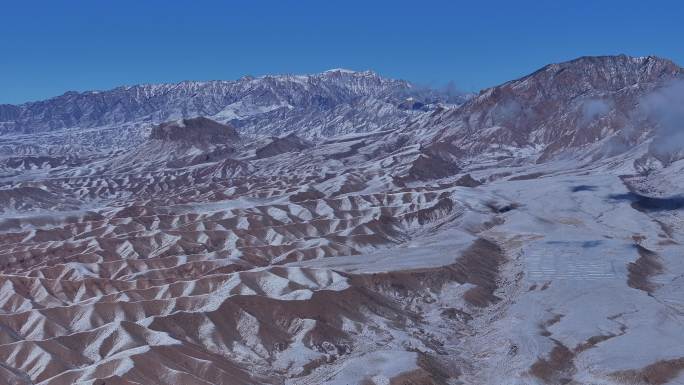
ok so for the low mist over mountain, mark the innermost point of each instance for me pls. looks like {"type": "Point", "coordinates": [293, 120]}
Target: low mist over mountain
{"type": "Point", "coordinates": [346, 228]}
{"type": "Point", "coordinates": [591, 104]}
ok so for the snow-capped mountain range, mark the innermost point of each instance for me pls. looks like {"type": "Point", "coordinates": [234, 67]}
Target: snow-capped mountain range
{"type": "Point", "coordinates": [343, 228]}
{"type": "Point", "coordinates": [330, 103]}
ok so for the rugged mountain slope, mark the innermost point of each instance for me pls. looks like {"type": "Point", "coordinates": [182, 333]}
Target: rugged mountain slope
{"type": "Point", "coordinates": [438, 252]}
{"type": "Point", "coordinates": [588, 105]}
{"type": "Point", "coordinates": [331, 103]}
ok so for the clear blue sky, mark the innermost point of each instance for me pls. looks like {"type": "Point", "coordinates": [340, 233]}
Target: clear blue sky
{"type": "Point", "coordinates": [48, 47]}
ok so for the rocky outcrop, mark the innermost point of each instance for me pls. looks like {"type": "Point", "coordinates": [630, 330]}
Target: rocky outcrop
{"type": "Point", "coordinates": [194, 130]}
{"type": "Point", "coordinates": [282, 145]}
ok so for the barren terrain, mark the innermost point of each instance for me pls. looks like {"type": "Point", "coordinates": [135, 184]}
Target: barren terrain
{"type": "Point", "coordinates": [515, 237]}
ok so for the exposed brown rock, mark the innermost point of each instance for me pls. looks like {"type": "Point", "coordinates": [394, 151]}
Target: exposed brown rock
{"type": "Point", "coordinates": [427, 167]}
{"type": "Point", "coordinates": [658, 373]}
{"type": "Point", "coordinates": [479, 265]}
{"type": "Point", "coordinates": [282, 145]}
{"type": "Point", "coordinates": [467, 181]}
{"type": "Point", "coordinates": [198, 129]}
{"type": "Point", "coordinates": [557, 368]}
{"type": "Point", "coordinates": [640, 271]}
{"type": "Point", "coordinates": [306, 195]}
{"type": "Point", "coordinates": [533, 175]}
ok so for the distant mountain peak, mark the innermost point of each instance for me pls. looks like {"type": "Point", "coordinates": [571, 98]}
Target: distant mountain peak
{"type": "Point", "coordinates": [340, 70]}
{"type": "Point", "coordinates": [616, 70]}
